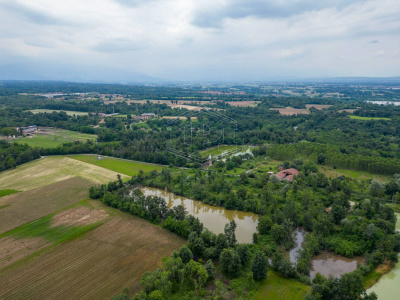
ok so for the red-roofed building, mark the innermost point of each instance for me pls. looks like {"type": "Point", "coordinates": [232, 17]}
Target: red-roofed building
{"type": "Point", "coordinates": [287, 174]}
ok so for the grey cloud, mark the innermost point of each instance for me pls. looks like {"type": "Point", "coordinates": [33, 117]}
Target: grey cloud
{"type": "Point", "coordinates": [374, 42]}
{"type": "Point", "coordinates": [236, 9]}
{"type": "Point", "coordinates": [117, 46]}
{"type": "Point", "coordinates": [32, 15]}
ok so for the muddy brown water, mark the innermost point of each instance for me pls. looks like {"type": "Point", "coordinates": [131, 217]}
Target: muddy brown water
{"type": "Point", "coordinates": [214, 218]}
{"type": "Point", "coordinates": [326, 263]}
{"type": "Point", "coordinates": [388, 285]}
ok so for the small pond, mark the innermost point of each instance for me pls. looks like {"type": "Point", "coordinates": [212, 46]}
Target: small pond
{"type": "Point", "coordinates": [214, 218]}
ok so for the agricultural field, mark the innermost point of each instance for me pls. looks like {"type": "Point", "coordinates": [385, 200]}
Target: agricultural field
{"type": "Point", "coordinates": [94, 262]}
{"type": "Point", "coordinates": [289, 111]}
{"type": "Point", "coordinates": [53, 169]}
{"type": "Point", "coordinates": [53, 137]}
{"type": "Point", "coordinates": [217, 150]}
{"type": "Point", "coordinates": [279, 288]}
{"type": "Point", "coordinates": [7, 192]}
{"type": "Point", "coordinates": [24, 207]}
{"type": "Point", "coordinates": [318, 106]}
{"type": "Point", "coordinates": [68, 112]}
{"type": "Point", "coordinates": [127, 167]}
{"type": "Point", "coordinates": [178, 117]}
{"type": "Point", "coordinates": [368, 118]}
{"type": "Point", "coordinates": [243, 103]}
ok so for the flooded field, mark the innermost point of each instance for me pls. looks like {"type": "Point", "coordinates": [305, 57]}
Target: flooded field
{"type": "Point", "coordinates": [214, 218]}
{"type": "Point", "coordinates": [388, 285]}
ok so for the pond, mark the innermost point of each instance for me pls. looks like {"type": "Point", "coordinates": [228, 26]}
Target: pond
{"type": "Point", "coordinates": [388, 285]}
{"type": "Point", "coordinates": [214, 218]}
{"type": "Point", "coordinates": [326, 263]}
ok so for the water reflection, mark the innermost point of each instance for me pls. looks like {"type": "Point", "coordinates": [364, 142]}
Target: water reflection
{"type": "Point", "coordinates": [299, 235]}
{"type": "Point", "coordinates": [388, 285]}
{"type": "Point", "coordinates": [329, 264]}
{"type": "Point", "coordinates": [213, 217]}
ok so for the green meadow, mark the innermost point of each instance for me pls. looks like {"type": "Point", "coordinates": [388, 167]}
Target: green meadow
{"type": "Point", "coordinates": [122, 166]}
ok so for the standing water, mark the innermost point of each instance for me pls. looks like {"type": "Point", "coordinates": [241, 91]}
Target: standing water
{"type": "Point", "coordinates": [387, 286]}
{"type": "Point", "coordinates": [214, 218]}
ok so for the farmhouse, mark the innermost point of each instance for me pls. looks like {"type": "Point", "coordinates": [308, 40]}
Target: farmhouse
{"type": "Point", "coordinates": [28, 130]}
{"type": "Point", "coordinates": [149, 115]}
{"type": "Point", "coordinates": [287, 174]}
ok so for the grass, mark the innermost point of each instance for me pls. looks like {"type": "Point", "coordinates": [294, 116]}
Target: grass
{"type": "Point", "coordinates": [279, 288]}
{"type": "Point", "coordinates": [126, 167]}
{"type": "Point", "coordinates": [216, 150]}
{"type": "Point", "coordinates": [235, 171]}
{"type": "Point", "coordinates": [368, 118]}
{"type": "Point", "coordinates": [333, 173]}
{"type": "Point", "coordinates": [55, 137]}
{"type": "Point", "coordinates": [53, 169]}
{"type": "Point", "coordinates": [7, 192]}
{"type": "Point", "coordinates": [68, 112]}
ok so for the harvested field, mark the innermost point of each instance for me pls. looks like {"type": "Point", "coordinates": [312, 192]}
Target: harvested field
{"type": "Point", "coordinates": [289, 111]}
{"type": "Point", "coordinates": [27, 206]}
{"type": "Point", "coordinates": [97, 265]}
{"type": "Point", "coordinates": [53, 169]}
{"type": "Point", "coordinates": [243, 103]}
{"type": "Point", "coordinates": [12, 249]}
{"type": "Point", "coordinates": [49, 230]}
{"type": "Point", "coordinates": [318, 106]}
{"type": "Point", "coordinates": [78, 216]}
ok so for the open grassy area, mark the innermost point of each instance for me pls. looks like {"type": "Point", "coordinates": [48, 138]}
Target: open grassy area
{"type": "Point", "coordinates": [367, 118]}
{"type": "Point", "coordinates": [53, 137]}
{"type": "Point", "coordinates": [217, 150]}
{"type": "Point", "coordinates": [25, 207]}
{"type": "Point", "coordinates": [68, 112]}
{"type": "Point", "coordinates": [333, 173]}
{"type": "Point", "coordinates": [53, 169]}
{"type": "Point", "coordinates": [96, 265]}
{"type": "Point", "coordinates": [279, 288]}
{"type": "Point", "coordinates": [122, 166]}
{"type": "Point", "coordinates": [7, 192]}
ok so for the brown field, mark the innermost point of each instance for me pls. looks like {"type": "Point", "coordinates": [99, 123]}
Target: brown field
{"type": "Point", "coordinates": [167, 102]}
{"type": "Point", "coordinates": [53, 169]}
{"type": "Point", "coordinates": [31, 205]}
{"type": "Point", "coordinates": [318, 106]}
{"type": "Point", "coordinates": [97, 265]}
{"type": "Point", "coordinates": [243, 103]}
{"type": "Point", "coordinates": [289, 111]}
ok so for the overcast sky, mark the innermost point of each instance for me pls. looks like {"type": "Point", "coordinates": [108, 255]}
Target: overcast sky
{"type": "Point", "coordinates": [205, 39]}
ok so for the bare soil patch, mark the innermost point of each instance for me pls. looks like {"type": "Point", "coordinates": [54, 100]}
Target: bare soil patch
{"type": "Point", "coordinates": [78, 216]}
{"type": "Point", "coordinates": [96, 266]}
{"type": "Point", "coordinates": [289, 111]}
{"type": "Point", "coordinates": [243, 103]}
{"type": "Point", "coordinates": [27, 206]}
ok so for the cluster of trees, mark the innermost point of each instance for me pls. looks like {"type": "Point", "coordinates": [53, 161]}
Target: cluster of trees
{"type": "Point", "coordinates": [12, 155]}
{"type": "Point", "coordinates": [333, 156]}
{"type": "Point", "coordinates": [184, 271]}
